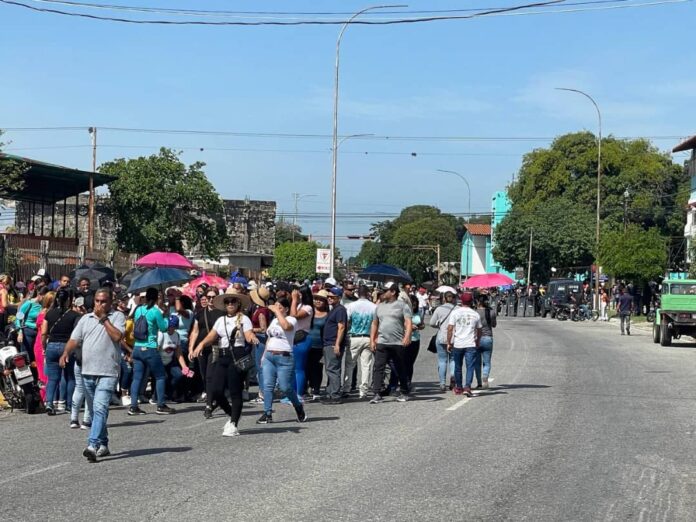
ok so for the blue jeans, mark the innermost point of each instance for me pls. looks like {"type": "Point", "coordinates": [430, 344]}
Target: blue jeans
{"type": "Point", "coordinates": [282, 368]}
{"type": "Point", "coordinates": [55, 374]}
{"type": "Point", "coordinates": [443, 358]}
{"type": "Point", "coordinates": [486, 351]}
{"type": "Point", "coordinates": [148, 358]}
{"type": "Point", "coordinates": [28, 340]}
{"type": "Point", "coordinates": [260, 348]}
{"type": "Point", "coordinates": [126, 377]}
{"type": "Point", "coordinates": [301, 351]}
{"type": "Point", "coordinates": [79, 397]}
{"type": "Point", "coordinates": [174, 376]}
{"type": "Point", "coordinates": [459, 355]}
{"type": "Point", "coordinates": [98, 390]}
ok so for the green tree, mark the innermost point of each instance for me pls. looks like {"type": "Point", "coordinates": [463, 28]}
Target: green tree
{"type": "Point", "coordinates": [285, 232]}
{"type": "Point", "coordinates": [295, 261]}
{"type": "Point", "coordinates": [162, 204]}
{"type": "Point", "coordinates": [11, 173]}
{"type": "Point", "coordinates": [637, 255]}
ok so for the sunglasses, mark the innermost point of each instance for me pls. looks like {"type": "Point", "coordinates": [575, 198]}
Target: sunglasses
{"type": "Point", "coordinates": [209, 296]}
{"type": "Point", "coordinates": [101, 301]}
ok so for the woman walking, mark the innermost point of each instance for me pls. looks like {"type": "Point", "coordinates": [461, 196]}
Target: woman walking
{"type": "Point", "coordinates": [26, 322]}
{"type": "Point", "coordinates": [315, 369]}
{"type": "Point", "coordinates": [439, 320]}
{"type": "Point", "coordinates": [489, 321]}
{"type": "Point", "coordinates": [5, 285]}
{"type": "Point", "coordinates": [59, 323]}
{"type": "Point", "coordinates": [234, 332]}
{"type": "Point", "coordinates": [302, 309]}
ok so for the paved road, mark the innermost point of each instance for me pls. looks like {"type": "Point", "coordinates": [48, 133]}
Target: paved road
{"type": "Point", "coordinates": [582, 424]}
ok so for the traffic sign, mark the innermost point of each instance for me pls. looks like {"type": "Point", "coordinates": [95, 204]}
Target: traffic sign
{"type": "Point", "coordinates": [323, 261]}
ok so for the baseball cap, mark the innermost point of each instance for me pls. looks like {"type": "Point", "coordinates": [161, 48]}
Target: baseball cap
{"type": "Point", "coordinates": [338, 292]}
{"type": "Point", "coordinates": [173, 321]}
{"type": "Point", "coordinates": [36, 278]}
{"type": "Point", "coordinates": [331, 281]}
{"type": "Point", "coordinates": [467, 298]}
{"type": "Point", "coordinates": [391, 285]}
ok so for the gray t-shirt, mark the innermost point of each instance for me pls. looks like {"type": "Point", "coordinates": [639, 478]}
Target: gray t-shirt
{"type": "Point", "coordinates": [100, 354]}
{"type": "Point", "coordinates": [487, 330]}
{"type": "Point", "coordinates": [439, 320]}
{"type": "Point", "coordinates": [391, 318]}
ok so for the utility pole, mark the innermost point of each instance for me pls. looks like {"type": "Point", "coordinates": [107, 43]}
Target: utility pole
{"type": "Point", "coordinates": [90, 204]}
{"type": "Point", "coordinates": [529, 265]}
{"type": "Point", "coordinates": [297, 197]}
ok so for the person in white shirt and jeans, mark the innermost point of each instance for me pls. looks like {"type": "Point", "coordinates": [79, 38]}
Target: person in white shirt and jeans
{"type": "Point", "coordinates": [463, 334]}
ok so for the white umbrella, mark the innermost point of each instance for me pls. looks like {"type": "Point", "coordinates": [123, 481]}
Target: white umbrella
{"type": "Point", "coordinates": [444, 289]}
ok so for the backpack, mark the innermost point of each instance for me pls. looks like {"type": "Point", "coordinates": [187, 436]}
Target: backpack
{"type": "Point", "coordinates": [141, 328]}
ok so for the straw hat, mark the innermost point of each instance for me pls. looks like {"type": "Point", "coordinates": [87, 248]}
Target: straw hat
{"type": "Point", "coordinates": [219, 301]}
{"type": "Point", "coordinates": [322, 294]}
{"type": "Point", "coordinates": [260, 295]}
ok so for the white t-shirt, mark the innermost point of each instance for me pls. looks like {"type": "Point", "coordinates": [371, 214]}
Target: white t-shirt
{"type": "Point", "coordinates": [167, 345]}
{"type": "Point", "coordinates": [225, 326]}
{"type": "Point", "coordinates": [305, 323]}
{"type": "Point", "coordinates": [465, 321]}
{"type": "Point", "coordinates": [422, 300]}
{"type": "Point", "coordinates": [279, 340]}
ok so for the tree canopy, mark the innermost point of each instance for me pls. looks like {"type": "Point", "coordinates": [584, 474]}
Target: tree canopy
{"type": "Point", "coordinates": [287, 232]}
{"type": "Point", "coordinates": [400, 241]}
{"type": "Point", "coordinates": [558, 186]}
{"type": "Point", "coordinates": [295, 261]}
{"type": "Point", "coordinates": [162, 204]}
{"type": "Point", "coordinates": [634, 255]}
{"type": "Point", "coordinates": [11, 174]}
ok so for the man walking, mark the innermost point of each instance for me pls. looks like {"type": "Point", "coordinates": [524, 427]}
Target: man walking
{"type": "Point", "coordinates": [463, 334]}
{"type": "Point", "coordinates": [625, 307]}
{"type": "Point", "coordinates": [360, 316]}
{"type": "Point", "coordinates": [99, 334]}
{"type": "Point", "coordinates": [390, 334]}
{"type": "Point", "coordinates": [334, 338]}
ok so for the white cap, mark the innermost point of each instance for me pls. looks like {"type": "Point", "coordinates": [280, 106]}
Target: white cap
{"type": "Point", "coordinates": [331, 281]}
{"type": "Point", "coordinates": [390, 285]}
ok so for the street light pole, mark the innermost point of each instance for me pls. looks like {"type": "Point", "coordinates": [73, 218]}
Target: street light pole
{"type": "Point", "coordinates": [297, 196]}
{"type": "Point", "coordinates": [468, 188]}
{"type": "Point", "coordinates": [599, 177]}
{"type": "Point", "coordinates": [335, 127]}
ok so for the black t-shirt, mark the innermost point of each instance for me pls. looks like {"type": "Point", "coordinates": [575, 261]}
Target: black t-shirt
{"type": "Point", "coordinates": [61, 324]}
{"type": "Point", "coordinates": [337, 315]}
{"type": "Point", "coordinates": [203, 326]}
{"type": "Point", "coordinates": [89, 299]}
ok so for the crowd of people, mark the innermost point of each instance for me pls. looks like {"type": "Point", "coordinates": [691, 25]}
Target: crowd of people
{"type": "Point", "coordinates": [94, 349]}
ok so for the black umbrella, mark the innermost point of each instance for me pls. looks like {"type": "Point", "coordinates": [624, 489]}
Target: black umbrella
{"type": "Point", "coordinates": [126, 279]}
{"type": "Point", "coordinates": [383, 272]}
{"type": "Point", "coordinates": [96, 277]}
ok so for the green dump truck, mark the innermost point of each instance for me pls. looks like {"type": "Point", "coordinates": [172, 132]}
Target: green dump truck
{"type": "Point", "coordinates": [677, 313]}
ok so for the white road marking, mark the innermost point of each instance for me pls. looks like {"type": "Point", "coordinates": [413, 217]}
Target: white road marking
{"type": "Point", "coordinates": [34, 472]}
{"type": "Point", "coordinates": [459, 404]}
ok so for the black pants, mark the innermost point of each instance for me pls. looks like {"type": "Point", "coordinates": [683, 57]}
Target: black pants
{"type": "Point", "coordinates": [226, 375]}
{"type": "Point", "coordinates": [398, 354]}
{"type": "Point", "coordinates": [203, 361]}
{"type": "Point", "coordinates": [315, 369]}
{"type": "Point", "coordinates": [411, 356]}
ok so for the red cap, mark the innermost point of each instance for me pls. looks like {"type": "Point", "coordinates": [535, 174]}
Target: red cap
{"type": "Point", "coordinates": [467, 298]}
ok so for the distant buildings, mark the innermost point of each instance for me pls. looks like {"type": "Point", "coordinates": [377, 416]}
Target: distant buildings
{"type": "Point", "coordinates": [479, 240]}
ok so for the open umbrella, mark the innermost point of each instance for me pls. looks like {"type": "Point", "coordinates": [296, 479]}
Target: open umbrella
{"type": "Point", "coordinates": [444, 289]}
{"type": "Point", "coordinates": [487, 281]}
{"type": "Point", "coordinates": [158, 277]}
{"type": "Point", "coordinates": [96, 276]}
{"type": "Point", "coordinates": [236, 277]}
{"type": "Point", "coordinates": [210, 280]}
{"type": "Point", "coordinates": [127, 278]}
{"type": "Point", "coordinates": [383, 272]}
{"type": "Point", "coordinates": [165, 259]}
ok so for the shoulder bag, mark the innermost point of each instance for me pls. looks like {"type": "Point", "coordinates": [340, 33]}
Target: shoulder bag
{"type": "Point", "coordinates": [246, 362]}
{"type": "Point", "coordinates": [432, 345]}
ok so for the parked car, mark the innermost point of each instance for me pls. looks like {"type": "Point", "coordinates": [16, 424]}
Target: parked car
{"type": "Point", "coordinates": [676, 315]}
{"type": "Point", "coordinates": [557, 293]}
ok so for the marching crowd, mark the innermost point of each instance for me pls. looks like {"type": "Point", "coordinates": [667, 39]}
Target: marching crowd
{"type": "Point", "coordinates": [106, 347]}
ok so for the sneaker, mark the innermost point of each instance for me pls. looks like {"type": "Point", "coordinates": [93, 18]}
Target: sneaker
{"type": "Point", "coordinates": [258, 400]}
{"type": "Point", "coordinates": [443, 387]}
{"type": "Point", "coordinates": [265, 418]}
{"type": "Point", "coordinates": [230, 429]}
{"type": "Point", "coordinates": [60, 406]}
{"type": "Point", "coordinates": [362, 396]}
{"type": "Point", "coordinates": [628, 332]}
{"type": "Point", "coordinates": [285, 401]}
{"type": "Point", "coordinates": [467, 391]}
{"type": "Point", "coordinates": [135, 411]}
{"type": "Point", "coordinates": [165, 410]}
{"type": "Point", "coordinates": [315, 397]}
{"type": "Point", "coordinates": [485, 384]}
{"type": "Point", "coordinates": [203, 397]}
{"type": "Point", "coordinates": [376, 399]}
{"type": "Point", "coordinates": [402, 397]}
{"type": "Point", "coordinates": [301, 415]}
{"type": "Point", "coordinates": [152, 401]}
{"type": "Point", "coordinates": [103, 451]}
{"type": "Point", "coordinates": [125, 400]}
{"type": "Point", "coordinates": [50, 412]}
{"type": "Point", "coordinates": [86, 425]}
{"type": "Point", "coordinates": [90, 453]}
{"type": "Point", "coordinates": [208, 413]}
{"type": "Point", "coordinates": [74, 424]}
{"type": "Point", "coordinates": [458, 390]}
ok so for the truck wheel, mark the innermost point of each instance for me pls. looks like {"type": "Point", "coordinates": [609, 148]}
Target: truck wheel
{"type": "Point", "coordinates": [665, 334]}
{"type": "Point", "coordinates": [656, 333]}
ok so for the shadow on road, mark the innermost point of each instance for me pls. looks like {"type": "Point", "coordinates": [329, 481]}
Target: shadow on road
{"type": "Point", "coordinates": [516, 386]}
{"type": "Point", "coordinates": [147, 451]}
{"type": "Point", "coordinates": [296, 429]}
{"type": "Point", "coordinates": [309, 419]}
{"type": "Point", "coordinates": [135, 423]}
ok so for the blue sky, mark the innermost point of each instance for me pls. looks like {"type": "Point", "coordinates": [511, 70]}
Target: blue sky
{"type": "Point", "coordinates": [491, 77]}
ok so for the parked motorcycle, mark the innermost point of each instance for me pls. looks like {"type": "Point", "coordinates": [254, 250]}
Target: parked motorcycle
{"type": "Point", "coordinates": [17, 381]}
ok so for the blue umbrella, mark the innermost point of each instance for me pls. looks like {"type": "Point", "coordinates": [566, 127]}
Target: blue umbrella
{"type": "Point", "coordinates": [158, 277]}
{"type": "Point", "coordinates": [236, 277]}
{"type": "Point", "coordinates": [383, 272]}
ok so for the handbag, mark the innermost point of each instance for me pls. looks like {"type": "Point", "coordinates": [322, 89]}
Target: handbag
{"type": "Point", "coordinates": [246, 362]}
{"type": "Point", "coordinates": [432, 345]}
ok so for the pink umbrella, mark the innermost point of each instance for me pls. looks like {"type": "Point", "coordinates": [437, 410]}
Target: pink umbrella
{"type": "Point", "coordinates": [210, 280]}
{"type": "Point", "coordinates": [165, 259]}
{"type": "Point", "coordinates": [487, 281]}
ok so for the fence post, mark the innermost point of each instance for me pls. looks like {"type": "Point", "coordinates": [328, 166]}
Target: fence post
{"type": "Point", "coordinates": [43, 253]}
